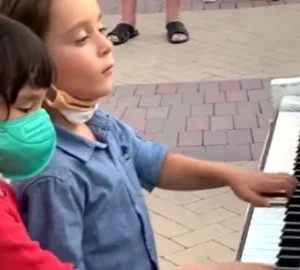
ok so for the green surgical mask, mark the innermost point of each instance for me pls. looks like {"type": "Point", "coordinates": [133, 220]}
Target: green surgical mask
{"type": "Point", "coordinates": [26, 145]}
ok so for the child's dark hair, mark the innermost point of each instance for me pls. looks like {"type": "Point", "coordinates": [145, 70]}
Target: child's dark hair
{"type": "Point", "coordinates": [23, 60]}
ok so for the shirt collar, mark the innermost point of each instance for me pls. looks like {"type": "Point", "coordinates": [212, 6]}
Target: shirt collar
{"type": "Point", "coordinates": [82, 148]}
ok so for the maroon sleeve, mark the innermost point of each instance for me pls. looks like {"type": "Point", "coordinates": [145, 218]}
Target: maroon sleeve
{"type": "Point", "coordinates": [18, 251]}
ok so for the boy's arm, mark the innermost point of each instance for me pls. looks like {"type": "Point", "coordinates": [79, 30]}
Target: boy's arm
{"type": "Point", "coordinates": [18, 251]}
{"type": "Point", "coordinates": [54, 215]}
{"type": "Point", "coordinates": [184, 173]}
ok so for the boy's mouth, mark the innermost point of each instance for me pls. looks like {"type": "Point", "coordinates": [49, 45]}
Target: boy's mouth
{"type": "Point", "coordinates": [108, 69]}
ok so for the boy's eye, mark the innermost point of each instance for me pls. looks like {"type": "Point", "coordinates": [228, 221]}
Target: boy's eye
{"type": "Point", "coordinates": [82, 40]}
{"type": "Point", "coordinates": [102, 29]}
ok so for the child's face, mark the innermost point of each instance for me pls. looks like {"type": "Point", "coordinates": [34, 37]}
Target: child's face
{"type": "Point", "coordinates": [81, 52]}
{"type": "Point", "coordinates": [28, 101]}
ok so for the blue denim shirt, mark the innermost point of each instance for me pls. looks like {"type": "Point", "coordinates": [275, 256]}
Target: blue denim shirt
{"type": "Point", "coordinates": [87, 205]}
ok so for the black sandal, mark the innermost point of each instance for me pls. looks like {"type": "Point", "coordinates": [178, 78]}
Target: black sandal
{"type": "Point", "coordinates": [176, 28]}
{"type": "Point", "coordinates": [123, 32]}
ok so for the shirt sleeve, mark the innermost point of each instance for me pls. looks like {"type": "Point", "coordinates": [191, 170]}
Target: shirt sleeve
{"type": "Point", "coordinates": [148, 155]}
{"type": "Point", "coordinates": [55, 218]}
{"type": "Point", "coordinates": [18, 251]}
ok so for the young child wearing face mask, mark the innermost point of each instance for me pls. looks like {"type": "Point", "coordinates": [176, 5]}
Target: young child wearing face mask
{"type": "Point", "coordinates": [27, 140]}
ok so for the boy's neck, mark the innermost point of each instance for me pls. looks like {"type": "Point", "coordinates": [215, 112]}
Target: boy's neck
{"type": "Point", "coordinates": [82, 130]}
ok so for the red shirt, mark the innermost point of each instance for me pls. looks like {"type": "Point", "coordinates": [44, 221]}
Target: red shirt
{"type": "Point", "coordinates": [17, 250]}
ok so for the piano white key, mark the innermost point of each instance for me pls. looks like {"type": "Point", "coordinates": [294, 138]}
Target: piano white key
{"type": "Point", "coordinates": [259, 259]}
{"type": "Point", "coordinates": [265, 228]}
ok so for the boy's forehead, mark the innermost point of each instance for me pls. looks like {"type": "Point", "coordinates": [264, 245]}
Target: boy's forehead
{"type": "Point", "coordinates": [78, 10]}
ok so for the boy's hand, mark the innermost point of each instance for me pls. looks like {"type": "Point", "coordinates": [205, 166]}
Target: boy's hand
{"type": "Point", "coordinates": [228, 266]}
{"type": "Point", "coordinates": [256, 187]}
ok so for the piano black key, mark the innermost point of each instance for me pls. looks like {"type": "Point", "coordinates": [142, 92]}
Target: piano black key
{"type": "Point", "coordinates": [286, 268]}
{"type": "Point", "coordinates": [288, 262]}
{"type": "Point", "coordinates": [291, 233]}
{"type": "Point", "coordinates": [291, 242]}
{"type": "Point", "coordinates": [289, 226]}
{"type": "Point", "coordinates": [292, 208]}
{"type": "Point", "coordinates": [289, 252]}
{"type": "Point", "coordinates": [292, 217]}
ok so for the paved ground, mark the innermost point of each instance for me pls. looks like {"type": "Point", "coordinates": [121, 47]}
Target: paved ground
{"type": "Point", "coordinates": [201, 227]}
{"type": "Point", "coordinates": [155, 6]}
{"type": "Point", "coordinates": [225, 121]}
{"type": "Point", "coordinates": [224, 45]}
{"type": "Point", "coordinates": [209, 99]}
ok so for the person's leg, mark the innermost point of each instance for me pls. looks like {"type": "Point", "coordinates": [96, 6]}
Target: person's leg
{"type": "Point", "coordinates": [126, 29]}
{"type": "Point", "coordinates": [177, 32]}
{"type": "Point", "coordinates": [129, 11]}
{"type": "Point", "coordinates": [173, 10]}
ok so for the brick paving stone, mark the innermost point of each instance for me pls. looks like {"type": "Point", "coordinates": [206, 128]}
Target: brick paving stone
{"type": "Point", "coordinates": [145, 89]}
{"type": "Point", "coordinates": [174, 124]}
{"type": "Point", "coordinates": [252, 84]}
{"type": "Point", "coordinates": [208, 233]}
{"type": "Point", "coordinates": [238, 152]}
{"type": "Point", "coordinates": [180, 111]}
{"type": "Point", "coordinates": [258, 95]}
{"type": "Point", "coordinates": [188, 88]}
{"type": "Point", "coordinates": [136, 123]}
{"type": "Point", "coordinates": [226, 108]}
{"type": "Point", "coordinates": [211, 6]}
{"type": "Point", "coordinates": [175, 99]}
{"type": "Point", "coordinates": [150, 101]}
{"type": "Point", "coordinates": [235, 96]}
{"type": "Point", "coordinates": [154, 125]}
{"type": "Point", "coordinates": [135, 112]}
{"type": "Point", "coordinates": [209, 87]}
{"type": "Point", "coordinates": [191, 138]}
{"type": "Point", "coordinates": [244, 5]}
{"type": "Point", "coordinates": [245, 121]}
{"type": "Point", "coordinates": [198, 123]}
{"type": "Point", "coordinates": [214, 97]}
{"type": "Point", "coordinates": [202, 110]}
{"type": "Point", "coordinates": [221, 122]}
{"type": "Point", "coordinates": [259, 134]}
{"type": "Point", "coordinates": [263, 120]}
{"type": "Point", "coordinates": [149, 136]}
{"type": "Point", "coordinates": [239, 136]}
{"type": "Point", "coordinates": [215, 153]}
{"type": "Point", "coordinates": [125, 90]}
{"type": "Point", "coordinates": [228, 5]}
{"type": "Point", "coordinates": [193, 98]}
{"type": "Point", "coordinates": [166, 88]}
{"type": "Point", "coordinates": [167, 138]}
{"type": "Point", "coordinates": [266, 107]}
{"type": "Point", "coordinates": [260, 3]}
{"type": "Point", "coordinates": [256, 150]}
{"type": "Point", "coordinates": [127, 102]}
{"type": "Point", "coordinates": [214, 137]}
{"type": "Point", "coordinates": [250, 107]}
{"type": "Point", "coordinates": [230, 86]}
{"type": "Point", "coordinates": [157, 112]}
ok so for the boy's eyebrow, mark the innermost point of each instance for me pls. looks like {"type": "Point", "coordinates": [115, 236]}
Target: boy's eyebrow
{"type": "Point", "coordinates": [82, 22]}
